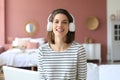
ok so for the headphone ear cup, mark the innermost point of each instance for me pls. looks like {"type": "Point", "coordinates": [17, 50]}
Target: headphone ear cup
{"type": "Point", "coordinates": [49, 26]}
{"type": "Point", "coordinates": [72, 27]}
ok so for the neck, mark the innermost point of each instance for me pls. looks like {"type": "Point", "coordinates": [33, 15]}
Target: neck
{"type": "Point", "coordinates": [60, 46]}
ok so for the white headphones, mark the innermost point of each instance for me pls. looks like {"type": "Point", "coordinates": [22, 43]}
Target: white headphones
{"type": "Point", "coordinates": [71, 25]}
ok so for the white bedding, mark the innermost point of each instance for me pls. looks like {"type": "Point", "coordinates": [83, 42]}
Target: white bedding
{"type": "Point", "coordinates": [17, 58]}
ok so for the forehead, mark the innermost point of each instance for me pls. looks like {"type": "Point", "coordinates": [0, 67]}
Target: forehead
{"type": "Point", "coordinates": [60, 17]}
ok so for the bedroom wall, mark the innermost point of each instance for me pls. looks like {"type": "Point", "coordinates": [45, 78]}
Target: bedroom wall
{"type": "Point", "coordinates": [2, 22]}
{"type": "Point", "coordinates": [18, 12]}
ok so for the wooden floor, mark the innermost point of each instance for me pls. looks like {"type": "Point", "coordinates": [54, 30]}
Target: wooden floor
{"type": "Point", "coordinates": [1, 73]}
{"type": "Point", "coordinates": [1, 76]}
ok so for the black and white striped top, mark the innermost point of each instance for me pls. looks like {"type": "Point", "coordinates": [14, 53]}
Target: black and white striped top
{"type": "Point", "coordinates": [68, 65]}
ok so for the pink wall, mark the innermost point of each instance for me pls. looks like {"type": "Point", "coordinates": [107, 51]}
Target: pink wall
{"type": "Point", "coordinates": [18, 12]}
{"type": "Point", "coordinates": [2, 22]}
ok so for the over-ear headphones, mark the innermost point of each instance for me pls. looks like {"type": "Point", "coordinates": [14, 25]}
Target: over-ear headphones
{"type": "Point", "coordinates": [71, 25]}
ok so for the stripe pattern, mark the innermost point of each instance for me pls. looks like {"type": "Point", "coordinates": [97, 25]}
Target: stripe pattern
{"type": "Point", "coordinates": [68, 65]}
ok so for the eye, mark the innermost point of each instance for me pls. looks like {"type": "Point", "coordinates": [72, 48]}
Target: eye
{"type": "Point", "coordinates": [65, 22]}
{"type": "Point", "coordinates": [56, 21]}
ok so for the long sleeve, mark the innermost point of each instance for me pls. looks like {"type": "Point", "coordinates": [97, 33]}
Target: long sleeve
{"type": "Point", "coordinates": [81, 64]}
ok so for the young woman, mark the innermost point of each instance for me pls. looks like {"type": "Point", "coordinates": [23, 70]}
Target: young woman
{"type": "Point", "coordinates": [62, 58]}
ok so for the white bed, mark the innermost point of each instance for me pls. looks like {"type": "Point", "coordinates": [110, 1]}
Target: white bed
{"type": "Point", "coordinates": [17, 58]}
{"type": "Point", "coordinates": [20, 56]}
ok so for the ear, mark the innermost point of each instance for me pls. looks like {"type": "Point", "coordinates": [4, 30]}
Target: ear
{"type": "Point", "coordinates": [72, 27]}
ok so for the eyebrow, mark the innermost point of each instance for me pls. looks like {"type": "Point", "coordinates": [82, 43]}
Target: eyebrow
{"type": "Point", "coordinates": [66, 20]}
{"type": "Point", "coordinates": [62, 20]}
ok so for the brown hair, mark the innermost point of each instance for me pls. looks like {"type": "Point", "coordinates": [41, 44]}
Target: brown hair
{"type": "Point", "coordinates": [70, 35]}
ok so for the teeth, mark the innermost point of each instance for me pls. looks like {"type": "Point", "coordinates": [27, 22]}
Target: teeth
{"type": "Point", "coordinates": [60, 30]}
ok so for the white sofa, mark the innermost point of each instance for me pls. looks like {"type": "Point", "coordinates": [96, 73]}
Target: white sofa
{"type": "Point", "coordinates": [94, 72]}
{"type": "Point", "coordinates": [103, 72]}
{"type": "Point", "coordinates": [12, 73]}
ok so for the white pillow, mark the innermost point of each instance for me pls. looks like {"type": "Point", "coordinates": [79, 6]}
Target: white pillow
{"type": "Point", "coordinates": [20, 41]}
{"type": "Point", "coordinates": [26, 38]}
{"type": "Point", "coordinates": [92, 71]}
{"type": "Point", "coordinates": [14, 43]}
{"type": "Point", "coordinates": [38, 40]}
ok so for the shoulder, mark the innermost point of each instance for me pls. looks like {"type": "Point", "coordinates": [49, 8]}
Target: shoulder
{"type": "Point", "coordinates": [46, 45]}
{"type": "Point", "coordinates": [80, 48]}
{"type": "Point", "coordinates": [44, 48]}
{"type": "Point", "coordinates": [77, 44]}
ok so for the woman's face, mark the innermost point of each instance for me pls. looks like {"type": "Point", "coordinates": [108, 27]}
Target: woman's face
{"type": "Point", "coordinates": [60, 25]}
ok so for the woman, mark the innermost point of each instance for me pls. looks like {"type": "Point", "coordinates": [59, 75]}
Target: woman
{"type": "Point", "coordinates": [62, 58]}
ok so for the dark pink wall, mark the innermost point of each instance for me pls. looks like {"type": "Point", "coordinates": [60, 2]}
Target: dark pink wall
{"type": "Point", "coordinates": [18, 12]}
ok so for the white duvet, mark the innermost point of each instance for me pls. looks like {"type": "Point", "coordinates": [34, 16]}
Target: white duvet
{"type": "Point", "coordinates": [18, 58]}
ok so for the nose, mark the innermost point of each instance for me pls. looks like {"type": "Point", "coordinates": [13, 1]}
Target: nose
{"type": "Point", "coordinates": [59, 24]}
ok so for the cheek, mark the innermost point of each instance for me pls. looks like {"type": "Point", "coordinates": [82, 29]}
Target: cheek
{"type": "Point", "coordinates": [67, 28]}
{"type": "Point", "coordinates": [67, 31]}
{"type": "Point", "coordinates": [53, 28]}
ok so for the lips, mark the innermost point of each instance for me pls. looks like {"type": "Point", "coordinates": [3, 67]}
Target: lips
{"type": "Point", "coordinates": [60, 30]}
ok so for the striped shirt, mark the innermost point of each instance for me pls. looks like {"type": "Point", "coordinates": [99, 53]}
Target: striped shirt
{"type": "Point", "coordinates": [68, 65]}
